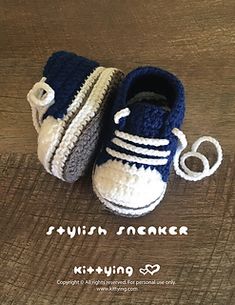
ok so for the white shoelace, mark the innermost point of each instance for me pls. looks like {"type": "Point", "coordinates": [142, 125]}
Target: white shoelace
{"type": "Point", "coordinates": [40, 98]}
{"type": "Point", "coordinates": [179, 160]}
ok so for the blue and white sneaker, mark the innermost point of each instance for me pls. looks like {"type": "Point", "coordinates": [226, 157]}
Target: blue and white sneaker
{"type": "Point", "coordinates": [67, 109]}
{"type": "Point", "coordinates": [131, 172]}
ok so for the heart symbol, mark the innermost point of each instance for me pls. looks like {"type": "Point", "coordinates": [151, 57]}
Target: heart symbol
{"type": "Point", "coordinates": [152, 268]}
{"type": "Point", "coordinates": [143, 271]}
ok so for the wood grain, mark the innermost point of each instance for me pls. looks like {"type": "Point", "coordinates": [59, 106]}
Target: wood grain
{"type": "Point", "coordinates": [195, 40]}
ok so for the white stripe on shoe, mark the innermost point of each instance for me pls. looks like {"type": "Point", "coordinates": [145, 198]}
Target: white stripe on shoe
{"type": "Point", "coordinates": [52, 130]}
{"type": "Point", "coordinates": [141, 140]}
{"type": "Point", "coordinates": [130, 158]}
{"type": "Point", "coordinates": [91, 107]}
{"type": "Point", "coordinates": [140, 150]}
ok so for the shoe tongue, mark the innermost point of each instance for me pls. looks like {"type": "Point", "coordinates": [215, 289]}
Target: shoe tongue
{"type": "Point", "coordinates": [146, 119]}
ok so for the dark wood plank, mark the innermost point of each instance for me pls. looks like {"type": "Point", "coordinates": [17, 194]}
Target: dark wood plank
{"type": "Point", "coordinates": [195, 40]}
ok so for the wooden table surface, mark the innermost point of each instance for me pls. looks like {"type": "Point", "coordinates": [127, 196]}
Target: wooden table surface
{"type": "Point", "coordinates": [195, 40]}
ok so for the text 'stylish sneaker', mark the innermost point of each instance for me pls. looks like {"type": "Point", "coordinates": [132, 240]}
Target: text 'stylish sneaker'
{"type": "Point", "coordinates": [67, 108]}
{"type": "Point", "coordinates": [131, 172]}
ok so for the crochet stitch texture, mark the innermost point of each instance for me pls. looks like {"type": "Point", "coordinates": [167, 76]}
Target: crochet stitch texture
{"type": "Point", "coordinates": [65, 72]}
{"type": "Point", "coordinates": [143, 138]}
{"type": "Point", "coordinates": [67, 107]}
{"type": "Point", "coordinates": [147, 120]}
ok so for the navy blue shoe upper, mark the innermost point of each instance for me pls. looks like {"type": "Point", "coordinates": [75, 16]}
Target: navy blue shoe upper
{"type": "Point", "coordinates": [65, 73]}
{"type": "Point", "coordinates": [147, 118]}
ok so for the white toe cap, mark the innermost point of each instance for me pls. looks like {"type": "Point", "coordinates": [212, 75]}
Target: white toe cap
{"type": "Point", "coordinates": [126, 185]}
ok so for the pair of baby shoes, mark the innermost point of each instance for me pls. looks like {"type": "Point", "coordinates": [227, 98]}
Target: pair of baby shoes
{"type": "Point", "coordinates": [84, 111]}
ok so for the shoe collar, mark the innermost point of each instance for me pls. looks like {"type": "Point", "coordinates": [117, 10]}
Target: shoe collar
{"type": "Point", "coordinates": [155, 80]}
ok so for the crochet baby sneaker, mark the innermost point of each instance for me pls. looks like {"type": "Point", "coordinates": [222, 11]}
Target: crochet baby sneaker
{"type": "Point", "coordinates": [67, 109]}
{"type": "Point", "coordinates": [143, 139]}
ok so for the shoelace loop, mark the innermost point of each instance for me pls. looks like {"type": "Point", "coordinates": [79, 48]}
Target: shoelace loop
{"type": "Point", "coordinates": [188, 174]}
{"type": "Point", "coordinates": [180, 160]}
{"type": "Point", "coordinates": [40, 98]}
